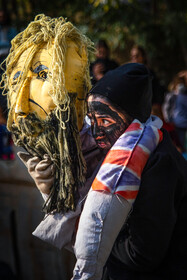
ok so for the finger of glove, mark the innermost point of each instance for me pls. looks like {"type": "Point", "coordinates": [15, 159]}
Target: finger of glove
{"type": "Point", "coordinates": [24, 157]}
{"type": "Point", "coordinates": [46, 156]}
{"type": "Point", "coordinates": [45, 185]}
{"type": "Point", "coordinates": [44, 164]}
{"type": "Point", "coordinates": [44, 173]}
{"type": "Point", "coordinates": [32, 163]}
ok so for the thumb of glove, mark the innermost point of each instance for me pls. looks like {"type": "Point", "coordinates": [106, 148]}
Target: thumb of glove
{"type": "Point", "coordinates": [24, 157]}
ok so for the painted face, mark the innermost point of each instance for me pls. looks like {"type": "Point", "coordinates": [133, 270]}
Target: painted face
{"type": "Point", "coordinates": [33, 96]}
{"type": "Point", "coordinates": [106, 122]}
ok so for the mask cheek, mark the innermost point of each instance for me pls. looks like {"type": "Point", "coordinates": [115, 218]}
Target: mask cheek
{"type": "Point", "coordinates": [40, 94]}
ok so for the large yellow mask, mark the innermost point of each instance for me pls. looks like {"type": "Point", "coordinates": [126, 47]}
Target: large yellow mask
{"type": "Point", "coordinates": [47, 79]}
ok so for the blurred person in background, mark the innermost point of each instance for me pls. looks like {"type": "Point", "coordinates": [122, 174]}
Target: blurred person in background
{"type": "Point", "coordinates": [175, 107]}
{"type": "Point", "coordinates": [170, 99]}
{"type": "Point", "coordinates": [180, 110]}
{"type": "Point", "coordinates": [103, 63]}
{"type": "Point", "coordinates": [139, 55]}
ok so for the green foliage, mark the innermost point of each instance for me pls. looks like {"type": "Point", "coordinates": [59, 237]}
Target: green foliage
{"type": "Point", "coordinates": [158, 25]}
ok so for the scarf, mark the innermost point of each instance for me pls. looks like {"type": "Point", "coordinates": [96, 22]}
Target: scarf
{"type": "Point", "coordinates": [120, 172]}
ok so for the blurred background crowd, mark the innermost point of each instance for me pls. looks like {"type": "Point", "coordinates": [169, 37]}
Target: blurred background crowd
{"type": "Point", "coordinates": [145, 31]}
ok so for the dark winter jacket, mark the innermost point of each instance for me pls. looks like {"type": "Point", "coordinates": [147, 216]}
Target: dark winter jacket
{"type": "Point", "coordinates": [153, 242]}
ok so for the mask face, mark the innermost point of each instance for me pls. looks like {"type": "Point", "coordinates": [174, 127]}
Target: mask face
{"type": "Point", "coordinates": [106, 122]}
{"type": "Point", "coordinates": [33, 95]}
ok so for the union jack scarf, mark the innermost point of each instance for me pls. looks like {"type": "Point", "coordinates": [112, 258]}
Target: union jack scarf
{"type": "Point", "coordinates": [120, 172]}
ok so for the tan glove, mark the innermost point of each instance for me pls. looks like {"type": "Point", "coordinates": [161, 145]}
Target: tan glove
{"type": "Point", "coordinates": [42, 171]}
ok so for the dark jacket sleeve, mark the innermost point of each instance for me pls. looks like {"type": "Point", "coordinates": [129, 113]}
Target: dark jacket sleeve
{"type": "Point", "coordinates": [144, 242]}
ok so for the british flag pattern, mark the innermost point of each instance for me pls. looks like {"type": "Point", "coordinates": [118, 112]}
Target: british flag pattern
{"type": "Point", "coordinates": [120, 172]}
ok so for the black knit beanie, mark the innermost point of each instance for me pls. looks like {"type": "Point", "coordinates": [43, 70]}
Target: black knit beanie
{"type": "Point", "coordinates": [130, 87]}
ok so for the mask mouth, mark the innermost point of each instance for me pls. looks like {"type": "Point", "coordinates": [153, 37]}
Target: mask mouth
{"type": "Point", "coordinates": [29, 125]}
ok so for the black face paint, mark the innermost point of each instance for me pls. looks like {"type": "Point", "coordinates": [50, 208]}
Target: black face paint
{"type": "Point", "coordinates": [106, 124]}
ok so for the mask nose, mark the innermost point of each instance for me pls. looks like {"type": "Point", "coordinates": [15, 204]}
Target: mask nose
{"type": "Point", "coordinates": [22, 103]}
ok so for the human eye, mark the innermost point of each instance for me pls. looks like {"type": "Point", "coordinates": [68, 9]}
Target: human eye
{"type": "Point", "coordinates": [105, 121]}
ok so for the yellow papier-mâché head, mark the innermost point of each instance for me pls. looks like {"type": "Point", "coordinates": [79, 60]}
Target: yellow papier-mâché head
{"type": "Point", "coordinates": [47, 79]}
{"type": "Point", "coordinates": [47, 61]}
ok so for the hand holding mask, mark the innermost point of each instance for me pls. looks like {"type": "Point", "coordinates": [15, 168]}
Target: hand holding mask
{"type": "Point", "coordinates": [42, 171]}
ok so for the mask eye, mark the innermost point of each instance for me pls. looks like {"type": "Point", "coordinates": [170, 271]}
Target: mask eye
{"type": "Point", "coordinates": [14, 83]}
{"type": "Point", "coordinates": [16, 78]}
{"type": "Point", "coordinates": [43, 74]}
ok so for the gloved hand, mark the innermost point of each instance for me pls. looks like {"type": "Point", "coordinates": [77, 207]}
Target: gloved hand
{"type": "Point", "coordinates": [42, 171]}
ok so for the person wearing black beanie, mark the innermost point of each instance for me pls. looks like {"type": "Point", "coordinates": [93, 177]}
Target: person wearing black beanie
{"type": "Point", "coordinates": [122, 94]}
{"type": "Point", "coordinates": [133, 225]}
{"type": "Point", "coordinates": [153, 242]}
{"type": "Point", "coordinates": [130, 87]}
